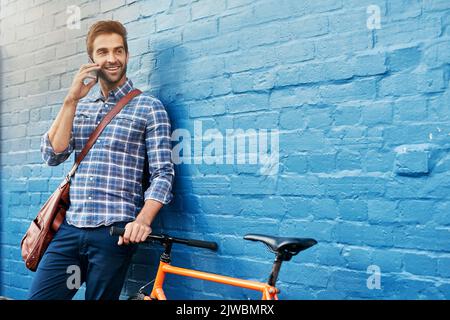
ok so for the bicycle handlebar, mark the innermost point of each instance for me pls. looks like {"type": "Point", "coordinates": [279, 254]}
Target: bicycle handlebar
{"type": "Point", "coordinates": [162, 238]}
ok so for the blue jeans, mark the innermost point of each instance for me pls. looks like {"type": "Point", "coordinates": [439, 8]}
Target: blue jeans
{"type": "Point", "coordinates": [90, 254]}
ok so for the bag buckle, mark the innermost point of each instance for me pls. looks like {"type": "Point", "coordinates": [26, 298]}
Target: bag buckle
{"type": "Point", "coordinates": [72, 172]}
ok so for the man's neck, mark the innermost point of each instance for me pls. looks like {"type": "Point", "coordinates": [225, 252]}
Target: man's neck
{"type": "Point", "coordinates": [106, 87]}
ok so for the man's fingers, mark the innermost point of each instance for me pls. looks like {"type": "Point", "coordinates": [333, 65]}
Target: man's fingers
{"type": "Point", "coordinates": [88, 70]}
{"type": "Point", "coordinates": [120, 242]}
{"type": "Point", "coordinates": [84, 72]}
{"type": "Point", "coordinates": [145, 234]}
{"type": "Point", "coordinates": [127, 234]}
{"type": "Point", "coordinates": [134, 233]}
{"type": "Point", "coordinates": [91, 83]}
{"type": "Point", "coordinates": [84, 66]}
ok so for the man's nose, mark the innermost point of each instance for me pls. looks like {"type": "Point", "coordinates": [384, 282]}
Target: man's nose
{"type": "Point", "coordinates": [111, 58]}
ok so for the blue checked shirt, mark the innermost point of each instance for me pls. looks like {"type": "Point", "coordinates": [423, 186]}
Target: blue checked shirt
{"type": "Point", "coordinates": [106, 187]}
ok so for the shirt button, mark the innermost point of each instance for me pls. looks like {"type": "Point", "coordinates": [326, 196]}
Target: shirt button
{"type": "Point", "coordinates": [91, 178]}
{"type": "Point", "coordinates": [98, 122]}
{"type": "Point", "coordinates": [90, 198]}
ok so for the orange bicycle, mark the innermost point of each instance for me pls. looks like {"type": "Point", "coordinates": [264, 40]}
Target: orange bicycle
{"type": "Point", "coordinates": [284, 249]}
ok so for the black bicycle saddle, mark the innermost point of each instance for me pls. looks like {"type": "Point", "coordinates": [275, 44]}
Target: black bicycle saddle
{"type": "Point", "coordinates": [284, 246]}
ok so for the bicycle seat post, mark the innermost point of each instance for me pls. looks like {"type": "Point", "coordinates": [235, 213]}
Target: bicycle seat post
{"type": "Point", "coordinates": [275, 270]}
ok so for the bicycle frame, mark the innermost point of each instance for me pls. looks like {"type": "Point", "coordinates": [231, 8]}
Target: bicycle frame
{"type": "Point", "coordinates": [283, 247]}
{"type": "Point", "coordinates": [268, 292]}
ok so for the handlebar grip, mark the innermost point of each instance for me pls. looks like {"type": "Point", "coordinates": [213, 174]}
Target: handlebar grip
{"type": "Point", "coordinates": [116, 231]}
{"type": "Point", "coordinates": [202, 244]}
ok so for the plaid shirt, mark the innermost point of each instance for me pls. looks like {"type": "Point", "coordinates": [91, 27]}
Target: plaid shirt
{"type": "Point", "coordinates": [107, 186]}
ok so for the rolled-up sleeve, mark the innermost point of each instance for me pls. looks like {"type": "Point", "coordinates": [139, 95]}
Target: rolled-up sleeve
{"type": "Point", "coordinates": [49, 155]}
{"type": "Point", "coordinates": [159, 152]}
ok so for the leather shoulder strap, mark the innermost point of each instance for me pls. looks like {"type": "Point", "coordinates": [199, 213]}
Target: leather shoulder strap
{"type": "Point", "coordinates": [96, 133]}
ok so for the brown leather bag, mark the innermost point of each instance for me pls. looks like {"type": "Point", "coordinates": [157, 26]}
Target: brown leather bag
{"type": "Point", "coordinates": [43, 228]}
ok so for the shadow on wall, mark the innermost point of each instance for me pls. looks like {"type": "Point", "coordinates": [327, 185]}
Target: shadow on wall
{"type": "Point", "coordinates": [175, 218]}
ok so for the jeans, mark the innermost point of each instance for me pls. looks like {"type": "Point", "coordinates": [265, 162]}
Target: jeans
{"type": "Point", "coordinates": [82, 255]}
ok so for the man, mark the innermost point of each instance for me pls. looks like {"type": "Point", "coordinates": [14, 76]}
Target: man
{"type": "Point", "coordinates": [106, 188]}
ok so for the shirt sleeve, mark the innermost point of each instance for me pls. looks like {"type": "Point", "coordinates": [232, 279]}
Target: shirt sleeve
{"type": "Point", "coordinates": [159, 152]}
{"type": "Point", "coordinates": [49, 155]}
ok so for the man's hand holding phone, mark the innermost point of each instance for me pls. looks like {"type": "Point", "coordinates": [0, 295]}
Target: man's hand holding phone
{"type": "Point", "coordinates": [79, 89]}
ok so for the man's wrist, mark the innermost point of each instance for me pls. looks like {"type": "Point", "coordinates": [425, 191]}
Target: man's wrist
{"type": "Point", "coordinates": [145, 218]}
{"type": "Point", "coordinates": [149, 211]}
{"type": "Point", "coordinates": [70, 102]}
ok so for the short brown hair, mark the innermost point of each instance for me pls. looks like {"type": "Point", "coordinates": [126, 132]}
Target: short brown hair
{"type": "Point", "coordinates": [105, 27]}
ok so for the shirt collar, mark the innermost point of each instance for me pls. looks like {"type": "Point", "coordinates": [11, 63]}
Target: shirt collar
{"type": "Point", "coordinates": [116, 94]}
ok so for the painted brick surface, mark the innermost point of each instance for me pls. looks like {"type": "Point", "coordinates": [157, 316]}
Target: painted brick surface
{"type": "Point", "coordinates": [362, 111]}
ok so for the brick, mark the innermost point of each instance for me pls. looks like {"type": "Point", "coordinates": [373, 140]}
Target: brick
{"type": "Point", "coordinates": [347, 115]}
{"type": "Point", "coordinates": [404, 58]}
{"type": "Point", "coordinates": [235, 21]}
{"type": "Point", "coordinates": [388, 260]}
{"type": "Point", "coordinates": [357, 90]}
{"type": "Point", "coordinates": [298, 185]}
{"type": "Point", "coordinates": [252, 59]}
{"type": "Point", "coordinates": [410, 109]}
{"type": "Point", "coordinates": [321, 231]}
{"type": "Point", "coordinates": [421, 237]}
{"type": "Point", "coordinates": [173, 20]}
{"type": "Point", "coordinates": [349, 281]}
{"type": "Point", "coordinates": [324, 209]}
{"type": "Point", "coordinates": [353, 210]}
{"type": "Point", "coordinates": [157, 6]}
{"type": "Point", "coordinates": [292, 97]}
{"type": "Point", "coordinates": [412, 163]}
{"type": "Point", "coordinates": [368, 65]}
{"type": "Point", "coordinates": [295, 163]}
{"type": "Point", "coordinates": [201, 9]}
{"type": "Point", "coordinates": [437, 54]}
{"type": "Point", "coordinates": [264, 120]}
{"type": "Point", "coordinates": [322, 162]}
{"type": "Point", "coordinates": [415, 211]}
{"type": "Point", "coordinates": [376, 114]}
{"type": "Point", "coordinates": [200, 30]}
{"type": "Point", "coordinates": [348, 160]}
{"type": "Point", "coordinates": [253, 185]}
{"type": "Point", "coordinates": [420, 264]}
{"type": "Point", "coordinates": [311, 276]}
{"type": "Point", "coordinates": [247, 102]}
{"type": "Point", "coordinates": [303, 140]}
{"type": "Point", "coordinates": [357, 258]}
{"type": "Point", "coordinates": [110, 5]}
{"type": "Point", "coordinates": [443, 265]}
{"type": "Point", "coordinates": [382, 211]}
{"type": "Point", "coordinates": [293, 119]}
{"type": "Point", "coordinates": [360, 234]}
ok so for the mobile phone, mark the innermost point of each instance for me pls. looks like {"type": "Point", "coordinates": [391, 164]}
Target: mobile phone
{"type": "Point", "coordinates": [93, 73]}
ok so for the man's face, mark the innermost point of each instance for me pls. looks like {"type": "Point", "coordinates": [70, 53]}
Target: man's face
{"type": "Point", "coordinates": [109, 53]}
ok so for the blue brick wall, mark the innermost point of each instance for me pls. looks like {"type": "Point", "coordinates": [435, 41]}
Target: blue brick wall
{"type": "Point", "coordinates": [362, 112]}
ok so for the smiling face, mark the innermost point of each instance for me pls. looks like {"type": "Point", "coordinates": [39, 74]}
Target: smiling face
{"type": "Point", "coordinates": [109, 52]}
